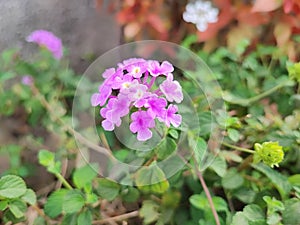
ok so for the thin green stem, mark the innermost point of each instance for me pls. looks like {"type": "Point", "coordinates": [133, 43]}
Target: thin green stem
{"type": "Point", "coordinates": [63, 181]}
{"type": "Point", "coordinates": [266, 93]}
{"type": "Point", "coordinates": [238, 148]}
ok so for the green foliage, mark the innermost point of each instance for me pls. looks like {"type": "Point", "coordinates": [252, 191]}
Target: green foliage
{"type": "Point", "coordinates": [14, 197]}
{"type": "Point", "coordinates": [151, 179]}
{"type": "Point", "coordinates": [262, 111]}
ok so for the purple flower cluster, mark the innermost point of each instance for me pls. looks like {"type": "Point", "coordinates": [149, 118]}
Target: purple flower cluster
{"type": "Point", "coordinates": [132, 88]}
{"type": "Point", "coordinates": [48, 40]}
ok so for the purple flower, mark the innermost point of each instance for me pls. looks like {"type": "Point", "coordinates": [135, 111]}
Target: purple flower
{"type": "Point", "coordinates": [48, 40]}
{"type": "Point", "coordinates": [27, 80]}
{"type": "Point", "coordinates": [108, 124]}
{"type": "Point", "coordinates": [108, 72]}
{"type": "Point", "coordinates": [101, 97]}
{"type": "Point", "coordinates": [128, 89]}
{"type": "Point", "coordinates": [130, 61]}
{"type": "Point", "coordinates": [137, 69]}
{"type": "Point", "coordinates": [137, 91]}
{"type": "Point", "coordinates": [155, 69]}
{"type": "Point", "coordinates": [125, 84]}
{"type": "Point", "coordinates": [115, 109]}
{"type": "Point", "coordinates": [171, 89]}
{"type": "Point", "coordinates": [141, 122]}
{"type": "Point", "coordinates": [156, 106]}
{"type": "Point", "coordinates": [171, 116]}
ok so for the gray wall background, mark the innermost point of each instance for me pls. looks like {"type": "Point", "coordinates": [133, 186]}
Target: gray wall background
{"type": "Point", "coordinates": [82, 28]}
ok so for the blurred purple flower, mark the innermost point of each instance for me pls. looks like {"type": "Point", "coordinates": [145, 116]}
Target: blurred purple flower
{"type": "Point", "coordinates": [171, 117]}
{"type": "Point", "coordinates": [141, 122]}
{"type": "Point", "coordinates": [136, 69]}
{"type": "Point", "coordinates": [101, 97]}
{"type": "Point", "coordinates": [27, 80]}
{"type": "Point", "coordinates": [130, 61]}
{"type": "Point", "coordinates": [156, 106]}
{"type": "Point", "coordinates": [48, 40]}
{"type": "Point", "coordinates": [171, 89]}
{"type": "Point", "coordinates": [156, 69]}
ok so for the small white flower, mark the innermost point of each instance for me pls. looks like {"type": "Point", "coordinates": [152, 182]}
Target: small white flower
{"type": "Point", "coordinates": [200, 13]}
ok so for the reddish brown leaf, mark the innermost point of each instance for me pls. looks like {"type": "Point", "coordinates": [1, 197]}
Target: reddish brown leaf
{"type": "Point", "coordinates": [246, 16]}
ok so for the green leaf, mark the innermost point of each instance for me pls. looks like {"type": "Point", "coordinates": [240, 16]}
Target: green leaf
{"type": "Point", "coordinates": [278, 180]}
{"type": "Point", "coordinates": [73, 201]}
{"type": "Point", "coordinates": [53, 206]}
{"type": "Point", "coordinates": [200, 150]}
{"type": "Point", "coordinates": [244, 194]}
{"type": "Point", "coordinates": [239, 219]}
{"type": "Point", "coordinates": [69, 219]}
{"type": "Point", "coordinates": [171, 199]}
{"type": "Point", "coordinates": [6, 76]}
{"type": "Point", "coordinates": [18, 208]}
{"type": "Point", "coordinates": [85, 175]}
{"type": "Point", "coordinates": [219, 166]}
{"type": "Point", "coordinates": [12, 186]}
{"type": "Point", "coordinates": [108, 189]}
{"type": "Point", "coordinates": [55, 168]}
{"type": "Point", "coordinates": [290, 215]}
{"type": "Point", "coordinates": [294, 179]}
{"type": "Point", "coordinates": [165, 148]}
{"type": "Point", "coordinates": [85, 218]}
{"type": "Point", "coordinates": [173, 133]}
{"type": "Point", "coordinates": [200, 201]}
{"type": "Point", "coordinates": [151, 179]}
{"type": "Point", "coordinates": [232, 179]}
{"type": "Point", "coordinates": [253, 212]}
{"type": "Point", "coordinates": [46, 158]}
{"type": "Point", "coordinates": [29, 197]}
{"type": "Point", "coordinates": [3, 205]}
{"type": "Point", "coordinates": [233, 134]}
{"type": "Point", "coordinates": [130, 194]}
{"type": "Point", "coordinates": [149, 211]}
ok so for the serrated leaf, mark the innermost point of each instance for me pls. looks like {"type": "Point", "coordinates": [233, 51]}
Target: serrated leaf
{"type": "Point", "coordinates": [3, 205]}
{"type": "Point", "coordinates": [69, 219]}
{"type": "Point", "coordinates": [12, 186]}
{"type": "Point", "coordinates": [294, 179]}
{"type": "Point", "coordinates": [131, 194]}
{"type": "Point", "coordinates": [151, 179]}
{"type": "Point", "coordinates": [73, 201]}
{"type": "Point", "coordinates": [85, 218]}
{"type": "Point", "coordinates": [29, 197]}
{"type": "Point", "coordinates": [200, 150]}
{"type": "Point", "coordinates": [165, 148]}
{"type": "Point", "coordinates": [290, 215]}
{"type": "Point", "coordinates": [219, 166]}
{"type": "Point", "coordinates": [233, 134]}
{"type": "Point", "coordinates": [149, 211]}
{"type": "Point", "coordinates": [18, 208]}
{"type": "Point", "coordinates": [232, 179]}
{"type": "Point", "coordinates": [239, 219]}
{"type": "Point", "coordinates": [173, 133]}
{"type": "Point", "coordinates": [279, 180]}
{"type": "Point", "coordinates": [85, 175]}
{"type": "Point", "coordinates": [200, 202]}
{"type": "Point", "coordinates": [108, 189]}
{"type": "Point", "coordinates": [46, 158]}
{"type": "Point", "coordinates": [53, 206]}
{"type": "Point", "coordinates": [253, 212]}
